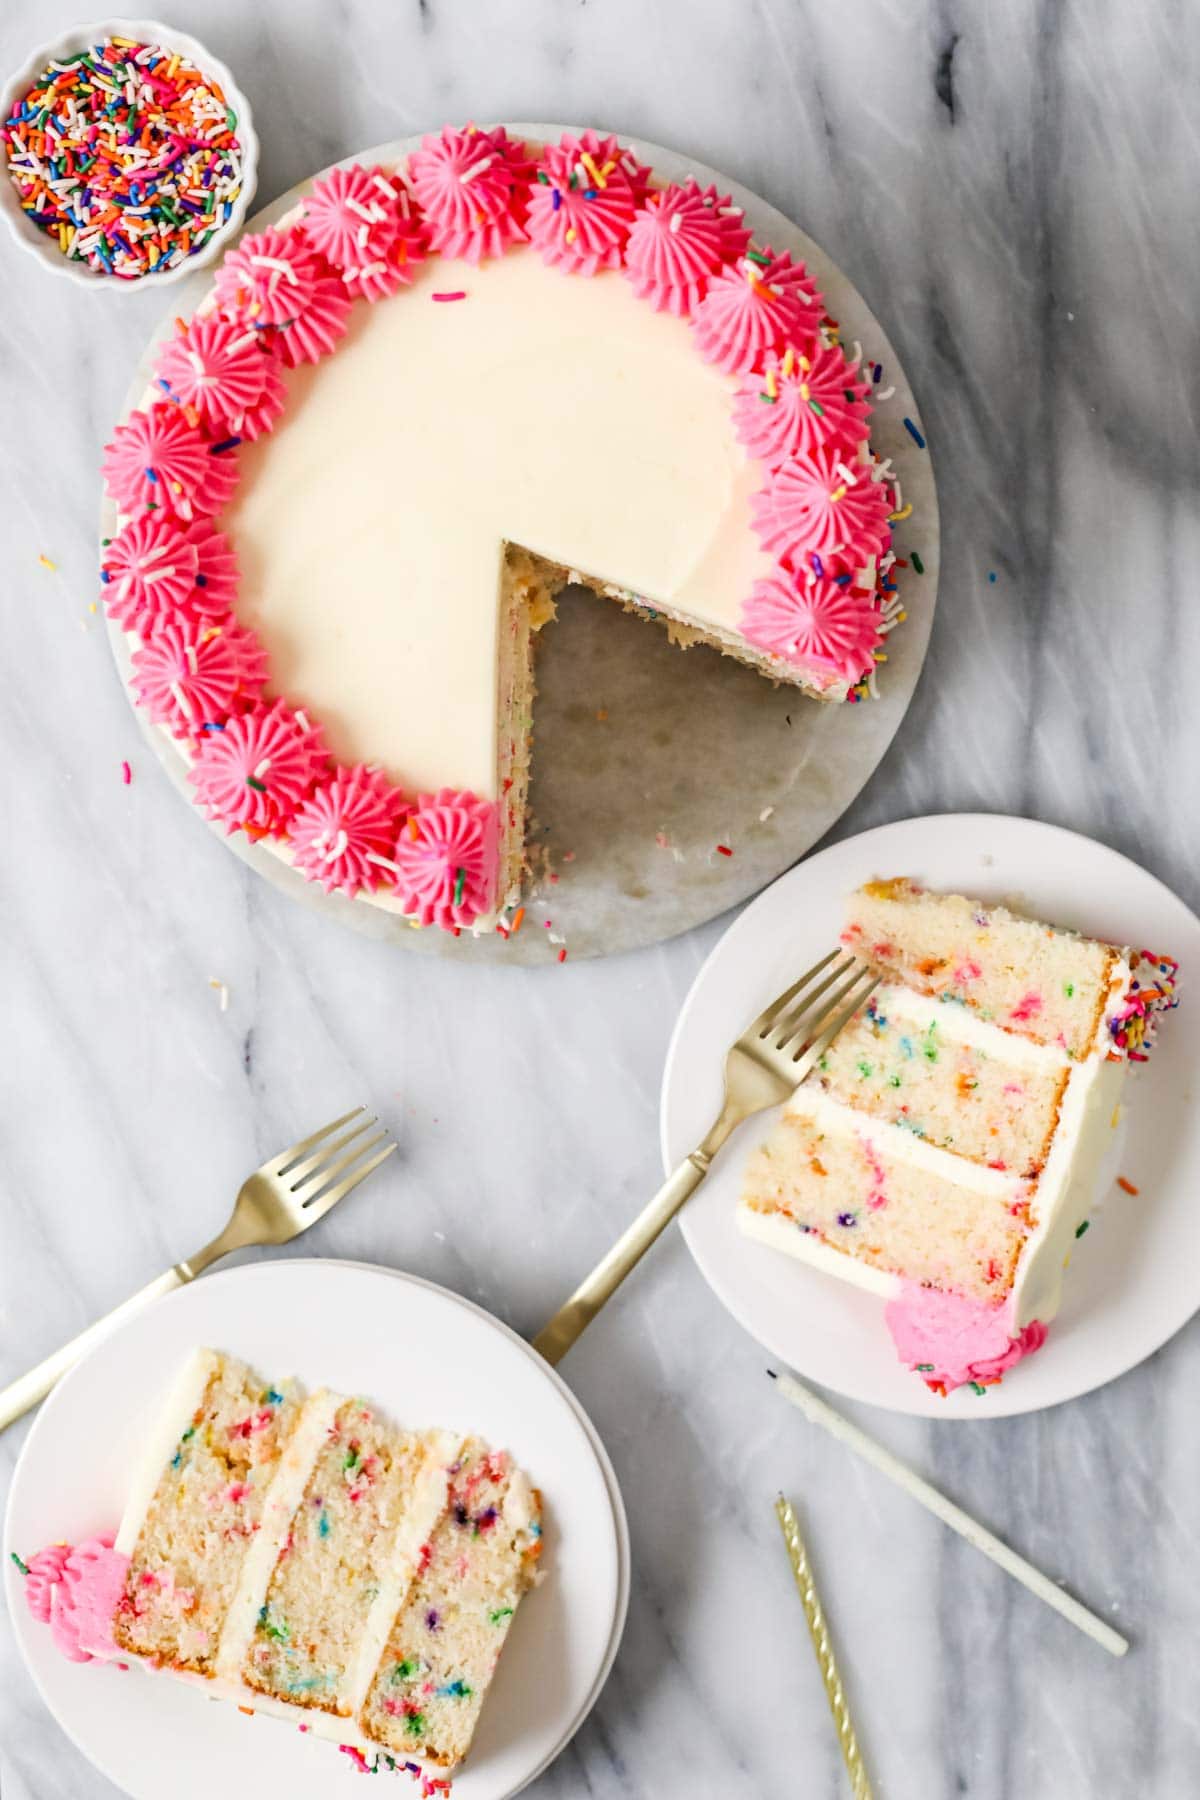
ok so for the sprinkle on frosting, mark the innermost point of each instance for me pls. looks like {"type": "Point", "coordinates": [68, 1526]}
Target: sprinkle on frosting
{"type": "Point", "coordinates": [800, 402]}
{"type": "Point", "coordinates": [821, 504]}
{"type": "Point", "coordinates": [765, 302]}
{"type": "Point", "coordinates": [216, 572]}
{"type": "Point", "coordinates": [731, 220]}
{"type": "Point", "coordinates": [344, 834]}
{"type": "Point", "coordinates": [446, 859]}
{"type": "Point", "coordinates": [469, 184]}
{"type": "Point", "coordinates": [269, 278]}
{"type": "Point", "coordinates": [1152, 991]}
{"type": "Point", "coordinates": [675, 246]}
{"type": "Point", "coordinates": [256, 772]}
{"type": "Point", "coordinates": [215, 370]}
{"type": "Point", "coordinates": [158, 462]}
{"type": "Point", "coordinates": [148, 572]}
{"type": "Point", "coordinates": [582, 204]}
{"type": "Point", "coordinates": [818, 624]}
{"type": "Point", "coordinates": [193, 674]}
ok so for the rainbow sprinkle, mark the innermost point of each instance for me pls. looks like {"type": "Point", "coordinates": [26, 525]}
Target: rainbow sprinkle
{"type": "Point", "coordinates": [126, 155]}
{"type": "Point", "coordinates": [914, 434]}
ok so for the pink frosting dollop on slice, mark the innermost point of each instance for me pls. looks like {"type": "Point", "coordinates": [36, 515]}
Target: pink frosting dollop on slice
{"type": "Point", "coordinates": [217, 368]}
{"type": "Point", "coordinates": [582, 205]}
{"type": "Point", "coordinates": [157, 461]}
{"type": "Point", "coordinates": [255, 773]}
{"type": "Point", "coordinates": [675, 246]}
{"type": "Point", "coordinates": [820, 624]}
{"type": "Point", "coordinates": [344, 834]}
{"type": "Point", "coordinates": [43, 1573]}
{"type": "Point", "coordinates": [76, 1592]}
{"type": "Point", "coordinates": [445, 859]}
{"type": "Point", "coordinates": [950, 1339]}
{"type": "Point", "coordinates": [800, 402]}
{"type": "Point", "coordinates": [191, 675]}
{"type": "Point", "coordinates": [269, 278]}
{"type": "Point", "coordinates": [822, 507]}
{"type": "Point", "coordinates": [756, 307]}
{"type": "Point", "coordinates": [216, 571]}
{"type": "Point", "coordinates": [148, 573]}
{"type": "Point", "coordinates": [471, 188]}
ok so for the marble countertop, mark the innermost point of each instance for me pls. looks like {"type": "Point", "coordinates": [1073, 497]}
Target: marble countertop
{"type": "Point", "coordinates": [1013, 191]}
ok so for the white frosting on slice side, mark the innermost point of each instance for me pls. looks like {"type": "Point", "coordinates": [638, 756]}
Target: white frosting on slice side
{"type": "Point", "coordinates": [1087, 1123]}
{"type": "Point", "coordinates": [425, 1506]}
{"type": "Point", "coordinates": [279, 1507]}
{"type": "Point", "coordinates": [904, 1146]}
{"type": "Point", "coordinates": [781, 1233]}
{"type": "Point", "coordinates": [172, 1421]}
{"type": "Point", "coordinates": [962, 1025]}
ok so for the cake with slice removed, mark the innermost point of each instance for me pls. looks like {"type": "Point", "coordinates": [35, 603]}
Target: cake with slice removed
{"type": "Point", "coordinates": [945, 1151]}
{"type": "Point", "coordinates": [299, 1555]}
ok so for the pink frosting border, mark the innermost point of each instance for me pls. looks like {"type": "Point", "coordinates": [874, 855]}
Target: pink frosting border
{"type": "Point", "coordinates": [477, 193]}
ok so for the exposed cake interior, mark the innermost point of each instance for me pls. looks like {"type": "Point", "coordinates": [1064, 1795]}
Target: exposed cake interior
{"type": "Point", "coordinates": [299, 1553]}
{"type": "Point", "coordinates": [949, 1142]}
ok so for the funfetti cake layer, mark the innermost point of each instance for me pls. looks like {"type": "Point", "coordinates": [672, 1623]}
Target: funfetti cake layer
{"type": "Point", "coordinates": [945, 1150]}
{"type": "Point", "coordinates": [447, 1638]}
{"type": "Point", "coordinates": [404, 417]}
{"type": "Point", "coordinates": [308, 1558]}
{"type": "Point", "coordinates": [196, 1506]}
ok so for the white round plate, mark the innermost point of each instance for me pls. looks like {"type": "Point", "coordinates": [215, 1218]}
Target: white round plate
{"type": "Point", "coordinates": [694, 752]}
{"type": "Point", "coordinates": [428, 1357]}
{"type": "Point", "coordinates": [1135, 1277]}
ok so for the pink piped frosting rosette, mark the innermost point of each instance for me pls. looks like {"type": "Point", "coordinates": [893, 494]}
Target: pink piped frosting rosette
{"type": "Point", "coordinates": [676, 245]}
{"type": "Point", "coordinates": [472, 187]}
{"type": "Point", "coordinates": [800, 402]}
{"type": "Point", "coordinates": [581, 206]}
{"type": "Point", "coordinates": [345, 833]}
{"type": "Point", "coordinates": [255, 772]}
{"type": "Point", "coordinates": [158, 462]}
{"type": "Point", "coordinates": [445, 859]}
{"type": "Point", "coordinates": [148, 572]}
{"type": "Point", "coordinates": [764, 303]}
{"type": "Point", "coordinates": [820, 624]}
{"type": "Point", "coordinates": [269, 278]}
{"type": "Point", "coordinates": [350, 216]}
{"type": "Point", "coordinates": [191, 675]}
{"type": "Point", "coordinates": [821, 506]}
{"type": "Point", "coordinates": [218, 371]}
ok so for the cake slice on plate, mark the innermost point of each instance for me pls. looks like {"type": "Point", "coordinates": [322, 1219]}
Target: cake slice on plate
{"type": "Point", "coordinates": [308, 1558]}
{"type": "Point", "coordinates": [945, 1151]}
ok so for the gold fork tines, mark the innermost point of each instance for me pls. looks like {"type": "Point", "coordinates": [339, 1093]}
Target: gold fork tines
{"type": "Point", "coordinates": [764, 1067]}
{"type": "Point", "coordinates": [287, 1195]}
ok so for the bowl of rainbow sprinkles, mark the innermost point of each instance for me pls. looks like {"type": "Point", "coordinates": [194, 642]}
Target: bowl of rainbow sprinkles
{"type": "Point", "coordinates": [128, 154]}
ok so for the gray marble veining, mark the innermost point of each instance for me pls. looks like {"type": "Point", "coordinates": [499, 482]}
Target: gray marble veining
{"type": "Point", "coordinates": [1013, 190]}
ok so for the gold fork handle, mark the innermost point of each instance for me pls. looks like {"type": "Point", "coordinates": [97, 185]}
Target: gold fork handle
{"type": "Point", "coordinates": [573, 1318]}
{"type": "Point", "coordinates": [28, 1389]}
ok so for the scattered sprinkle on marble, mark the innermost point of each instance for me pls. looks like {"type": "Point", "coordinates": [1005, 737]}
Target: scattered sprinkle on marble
{"type": "Point", "coordinates": [222, 992]}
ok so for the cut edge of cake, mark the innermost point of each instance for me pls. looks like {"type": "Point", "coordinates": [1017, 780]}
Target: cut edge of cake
{"type": "Point", "coordinates": [340, 1715]}
{"type": "Point", "coordinates": [1109, 1019]}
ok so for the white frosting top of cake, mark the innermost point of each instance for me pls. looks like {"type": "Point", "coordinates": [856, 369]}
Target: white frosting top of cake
{"type": "Point", "coordinates": [559, 413]}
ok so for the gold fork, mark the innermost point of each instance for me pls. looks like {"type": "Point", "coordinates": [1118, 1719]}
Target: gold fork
{"type": "Point", "coordinates": [766, 1065]}
{"type": "Point", "coordinates": [288, 1194]}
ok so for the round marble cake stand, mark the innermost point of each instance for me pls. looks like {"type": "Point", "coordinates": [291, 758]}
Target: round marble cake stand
{"type": "Point", "coordinates": [646, 762]}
